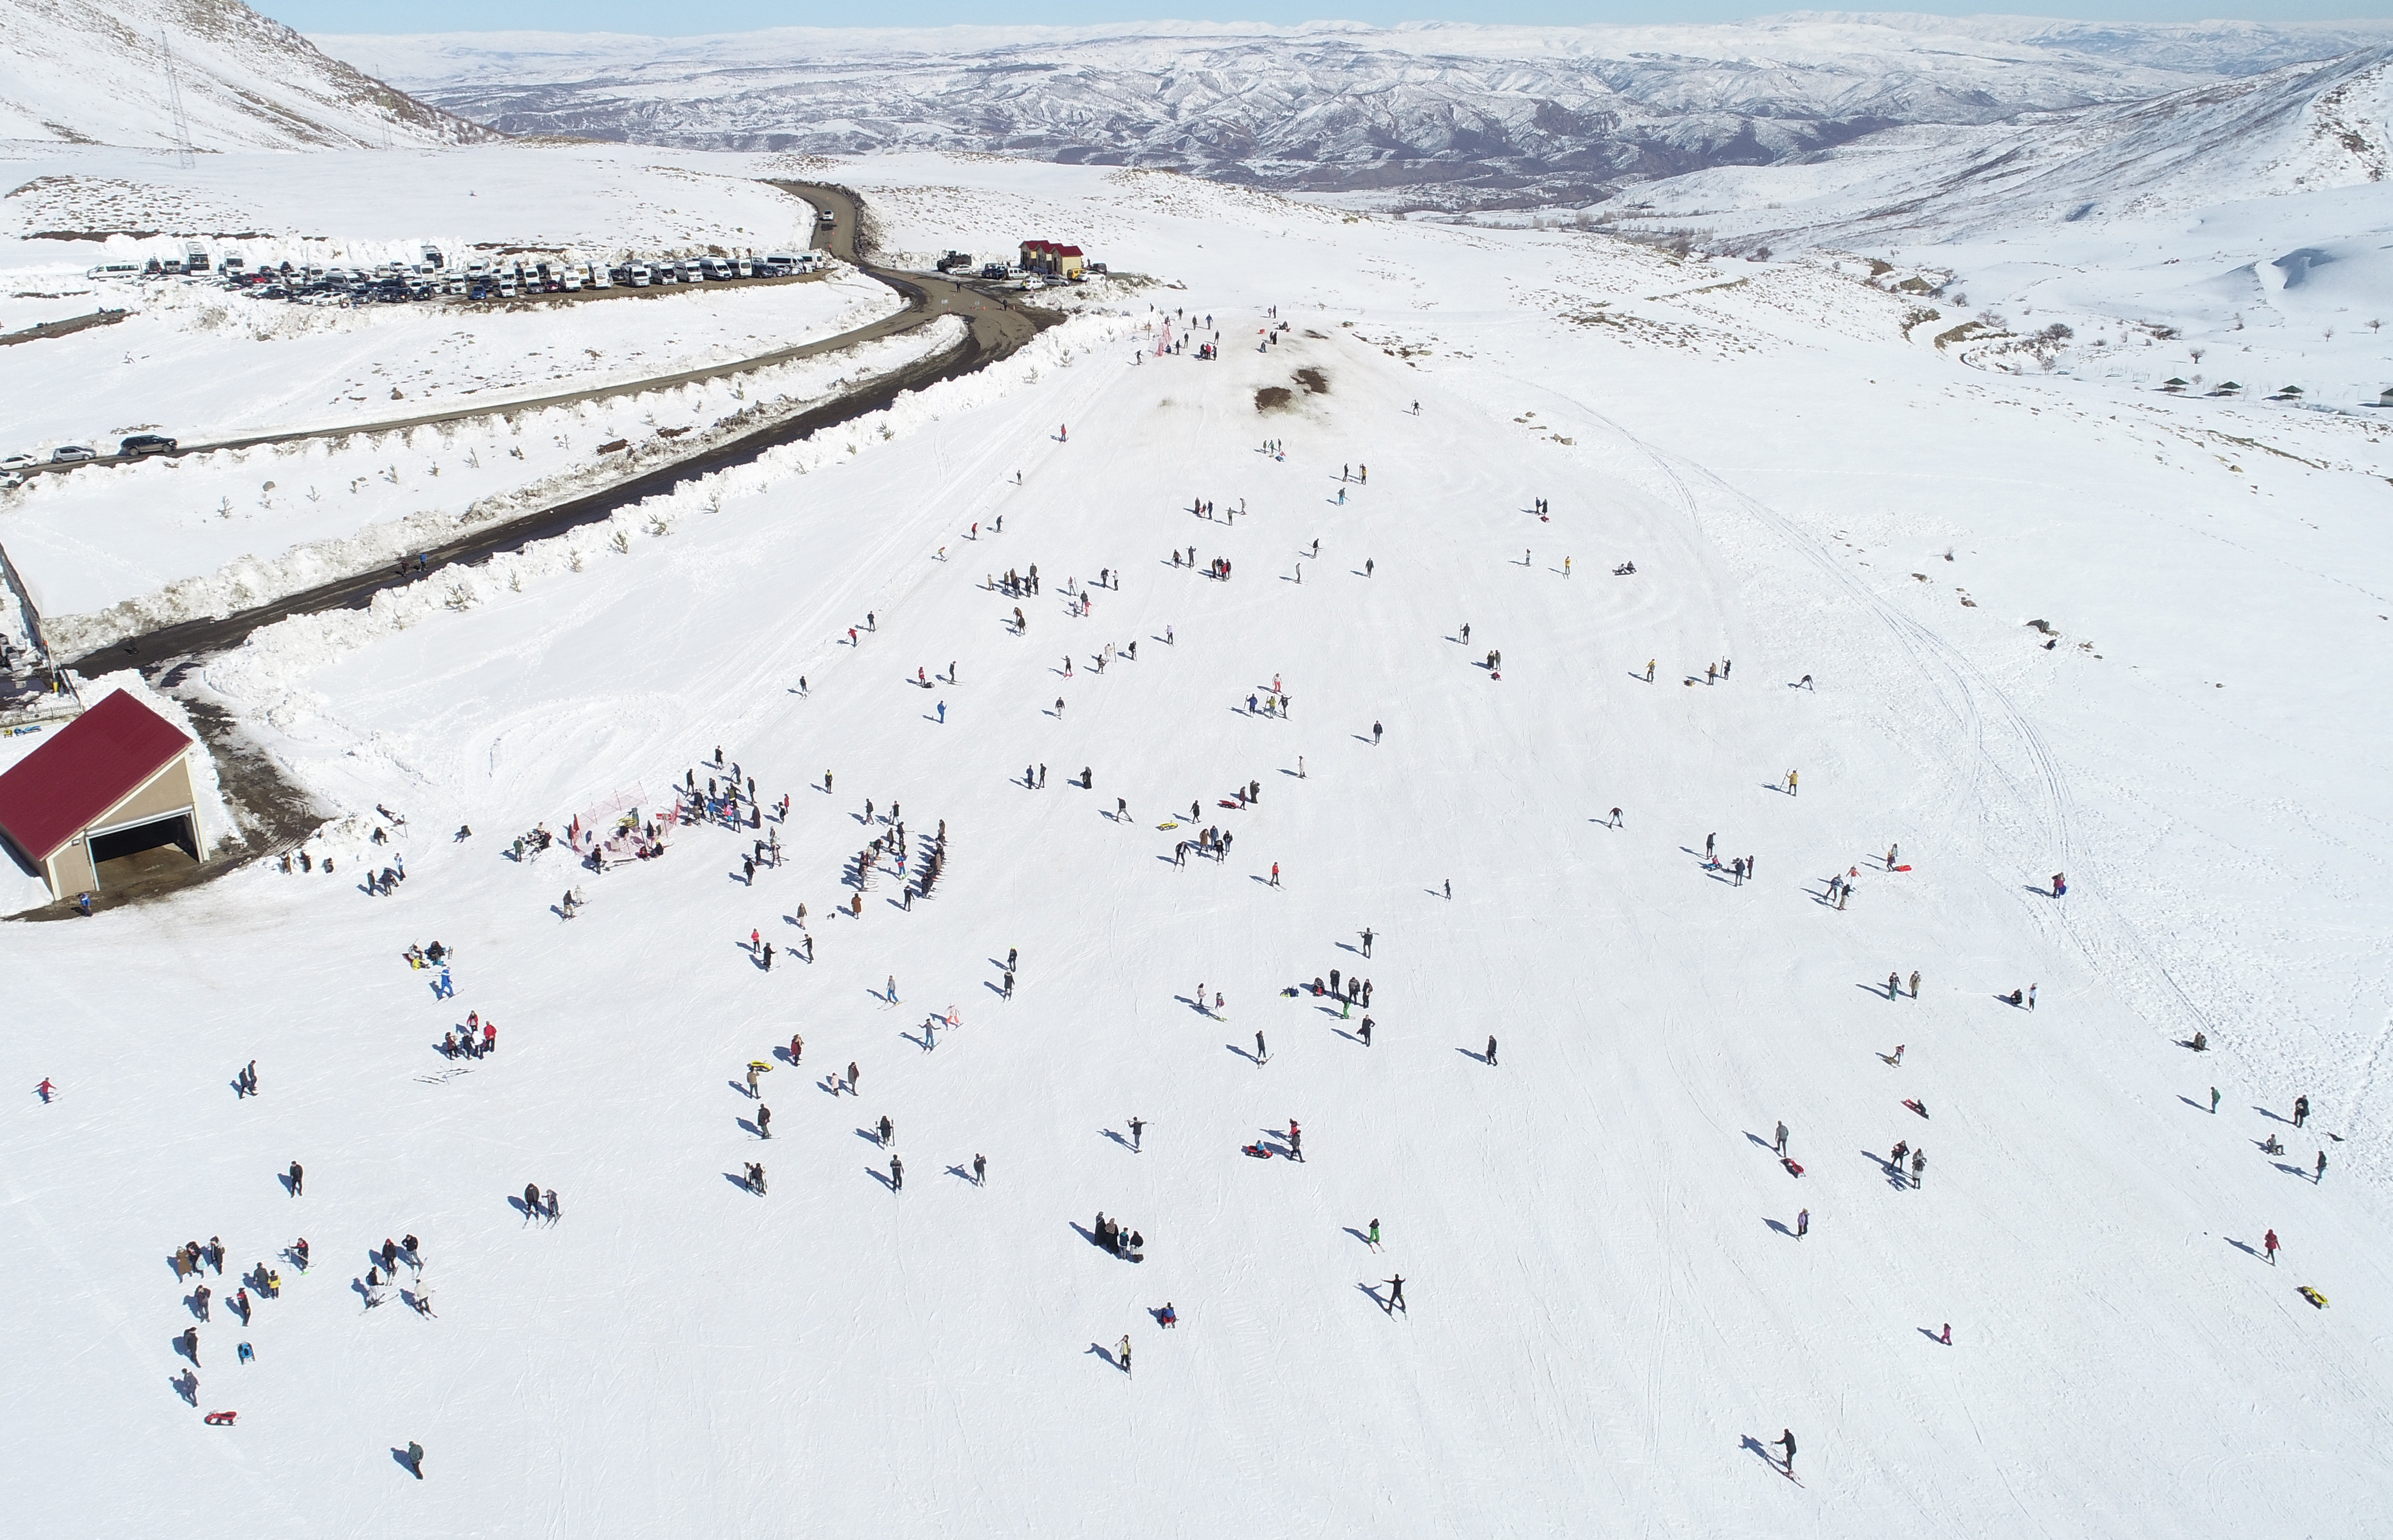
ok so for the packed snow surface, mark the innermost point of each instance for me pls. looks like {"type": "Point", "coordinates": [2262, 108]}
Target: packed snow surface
{"type": "Point", "coordinates": [1609, 1317]}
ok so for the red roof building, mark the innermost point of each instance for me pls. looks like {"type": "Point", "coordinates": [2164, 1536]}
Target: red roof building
{"type": "Point", "coordinates": [1046, 257]}
{"type": "Point", "coordinates": [114, 782]}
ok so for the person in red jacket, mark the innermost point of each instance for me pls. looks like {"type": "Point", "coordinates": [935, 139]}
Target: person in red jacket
{"type": "Point", "coordinates": [2270, 1246]}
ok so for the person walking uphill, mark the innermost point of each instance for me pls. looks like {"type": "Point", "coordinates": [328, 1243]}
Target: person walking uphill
{"type": "Point", "coordinates": [1786, 1440]}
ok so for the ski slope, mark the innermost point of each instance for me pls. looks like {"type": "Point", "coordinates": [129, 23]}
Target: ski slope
{"type": "Point", "coordinates": [1607, 1317]}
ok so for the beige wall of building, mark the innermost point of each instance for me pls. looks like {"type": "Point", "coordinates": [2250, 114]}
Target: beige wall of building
{"type": "Point", "coordinates": [70, 870]}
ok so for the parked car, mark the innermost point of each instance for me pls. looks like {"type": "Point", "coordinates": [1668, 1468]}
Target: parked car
{"type": "Point", "coordinates": [19, 463]}
{"type": "Point", "coordinates": [70, 454]}
{"type": "Point", "coordinates": [145, 443]}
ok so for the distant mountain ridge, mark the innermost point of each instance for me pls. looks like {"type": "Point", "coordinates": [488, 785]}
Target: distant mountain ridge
{"type": "Point", "coordinates": [1432, 114]}
{"type": "Point", "coordinates": [83, 72]}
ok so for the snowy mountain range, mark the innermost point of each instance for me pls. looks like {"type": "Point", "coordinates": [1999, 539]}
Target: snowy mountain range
{"type": "Point", "coordinates": [82, 72]}
{"type": "Point", "coordinates": [2311, 127]}
{"type": "Point", "coordinates": [1428, 116]}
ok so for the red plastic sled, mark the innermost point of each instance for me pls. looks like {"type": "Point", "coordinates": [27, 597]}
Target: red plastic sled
{"type": "Point", "coordinates": [1903, 869]}
{"type": "Point", "coordinates": [1792, 1170]}
{"type": "Point", "coordinates": [220, 1419]}
{"type": "Point", "coordinates": [1916, 1108]}
{"type": "Point", "coordinates": [1259, 1151]}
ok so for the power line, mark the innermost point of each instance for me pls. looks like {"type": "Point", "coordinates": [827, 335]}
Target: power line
{"type": "Point", "coordinates": [175, 105]}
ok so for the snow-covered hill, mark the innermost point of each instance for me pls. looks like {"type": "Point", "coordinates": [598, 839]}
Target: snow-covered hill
{"type": "Point", "coordinates": [2299, 128]}
{"type": "Point", "coordinates": [87, 72]}
{"type": "Point", "coordinates": [2014, 624]}
{"type": "Point", "coordinates": [1435, 114]}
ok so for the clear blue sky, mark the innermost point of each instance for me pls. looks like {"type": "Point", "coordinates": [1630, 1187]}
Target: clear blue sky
{"type": "Point", "coordinates": [625, 16]}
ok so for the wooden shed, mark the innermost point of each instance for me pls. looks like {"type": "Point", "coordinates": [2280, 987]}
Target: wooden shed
{"type": "Point", "coordinates": [116, 781]}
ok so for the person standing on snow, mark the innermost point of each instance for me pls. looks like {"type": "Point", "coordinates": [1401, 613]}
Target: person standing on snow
{"type": "Point", "coordinates": [2301, 1110]}
{"type": "Point", "coordinates": [1802, 1224]}
{"type": "Point", "coordinates": [1396, 1296]}
{"type": "Point", "coordinates": [2321, 1169]}
{"type": "Point", "coordinates": [1491, 1051]}
{"type": "Point", "coordinates": [1138, 1129]}
{"type": "Point", "coordinates": [2269, 1243]}
{"type": "Point", "coordinates": [1781, 1139]}
{"type": "Point", "coordinates": [2214, 1101]}
{"type": "Point", "coordinates": [851, 1078]}
{"type": "Point", "coordinates": [980, 1170]}
{"type": "Point", "coordinates": [1373, 1239]}
{"type": "Point", "coordinates": [1259, 1054]}
{"type": "Point", "coordinates": [896, 1173]}
{"type": "Point", "coordinates": [1914, 984]}
{"type": "Point", "coordinates": [1786, 1439]}
{"type": "Point", "coordinates": [1893, 987]}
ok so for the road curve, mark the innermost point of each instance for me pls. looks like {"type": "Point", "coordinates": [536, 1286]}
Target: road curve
{"type": "Point", "coordinates": [995, 328]}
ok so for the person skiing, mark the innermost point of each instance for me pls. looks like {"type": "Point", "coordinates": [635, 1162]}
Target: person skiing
{"type": "Point", "coordinates": [1802, 1224]}
{"type": "Point", "coordinates": [1396, 1296]}
{"type": "Point", "coordinates": [1373, 1240]}
{"type": "Point", "coordinates": [1366, 941]}
{"type": "Point", "coordinates": [1491, 1051]}
{"type": "Point", "coordinates": [1786, 1438]}
{"type": "Point", "coordinates": [1138, 1131]}
{"type": "Point", "coordinates": [46, 1090]}
{"type": "Point", "coordinates": [2269, 1243]}
{"type": "Point", "coordinates": [1259, 1054]}
{"type": "Point", "coordinates": [1793, 784]}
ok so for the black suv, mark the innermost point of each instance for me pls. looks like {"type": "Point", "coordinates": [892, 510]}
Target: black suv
{"type": "Point", "coordinates": [145, 443]}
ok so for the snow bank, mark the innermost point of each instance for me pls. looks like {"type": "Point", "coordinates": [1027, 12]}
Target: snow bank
{"type": "Point", "coordinates": [380, 470]}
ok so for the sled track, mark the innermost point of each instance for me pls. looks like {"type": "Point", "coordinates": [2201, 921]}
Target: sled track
{"type": "Point", "coordinates": [2106, 938]}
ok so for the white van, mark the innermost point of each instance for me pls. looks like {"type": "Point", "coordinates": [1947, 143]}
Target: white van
{"type": "Point", "coordinates": [115, 270]}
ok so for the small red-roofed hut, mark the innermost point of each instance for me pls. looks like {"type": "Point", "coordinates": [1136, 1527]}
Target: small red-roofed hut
{"type": "Point", "coordinates": [115, 781]}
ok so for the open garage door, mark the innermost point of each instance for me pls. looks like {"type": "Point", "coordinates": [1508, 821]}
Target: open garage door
{"type": "Point", "coordinates": [135, 850]}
